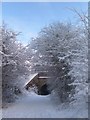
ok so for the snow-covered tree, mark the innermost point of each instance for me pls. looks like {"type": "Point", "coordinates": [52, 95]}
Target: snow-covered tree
{"type": "Point", "coordinates": [80, 58]}
{"type": "Point", "coordinates": [14, 64]}
{"type": "Point", "coordinates": [62, 42]}
{"type": "Point", "coordinates": [51, 49]}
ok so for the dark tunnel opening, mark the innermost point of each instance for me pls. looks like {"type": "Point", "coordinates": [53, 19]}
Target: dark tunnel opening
{"type": "Point", "coordinates": [44, 90]}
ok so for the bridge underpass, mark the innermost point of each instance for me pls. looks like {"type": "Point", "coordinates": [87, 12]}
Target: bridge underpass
{"type": "Point", "coordinates": [40, 82]}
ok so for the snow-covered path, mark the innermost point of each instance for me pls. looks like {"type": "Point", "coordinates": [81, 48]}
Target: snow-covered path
{"type": "Point", "coordinates": [35, 106]}
{"type": "Point", "coordinates": [31, 106]}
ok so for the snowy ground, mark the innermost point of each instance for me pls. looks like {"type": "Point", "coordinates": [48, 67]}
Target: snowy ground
{"type": "Point", "coordinates": [31, 105]}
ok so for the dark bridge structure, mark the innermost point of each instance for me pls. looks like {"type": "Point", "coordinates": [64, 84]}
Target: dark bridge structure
{"type": "Point", "coordinates": [39, 80]}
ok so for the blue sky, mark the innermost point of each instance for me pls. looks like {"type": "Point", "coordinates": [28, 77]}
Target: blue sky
{"type": "Point", "coordinates": [30, 17]}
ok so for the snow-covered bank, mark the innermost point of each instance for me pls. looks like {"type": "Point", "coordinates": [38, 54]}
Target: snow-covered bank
{"type": "Point", "coordinates": [34, 106]}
